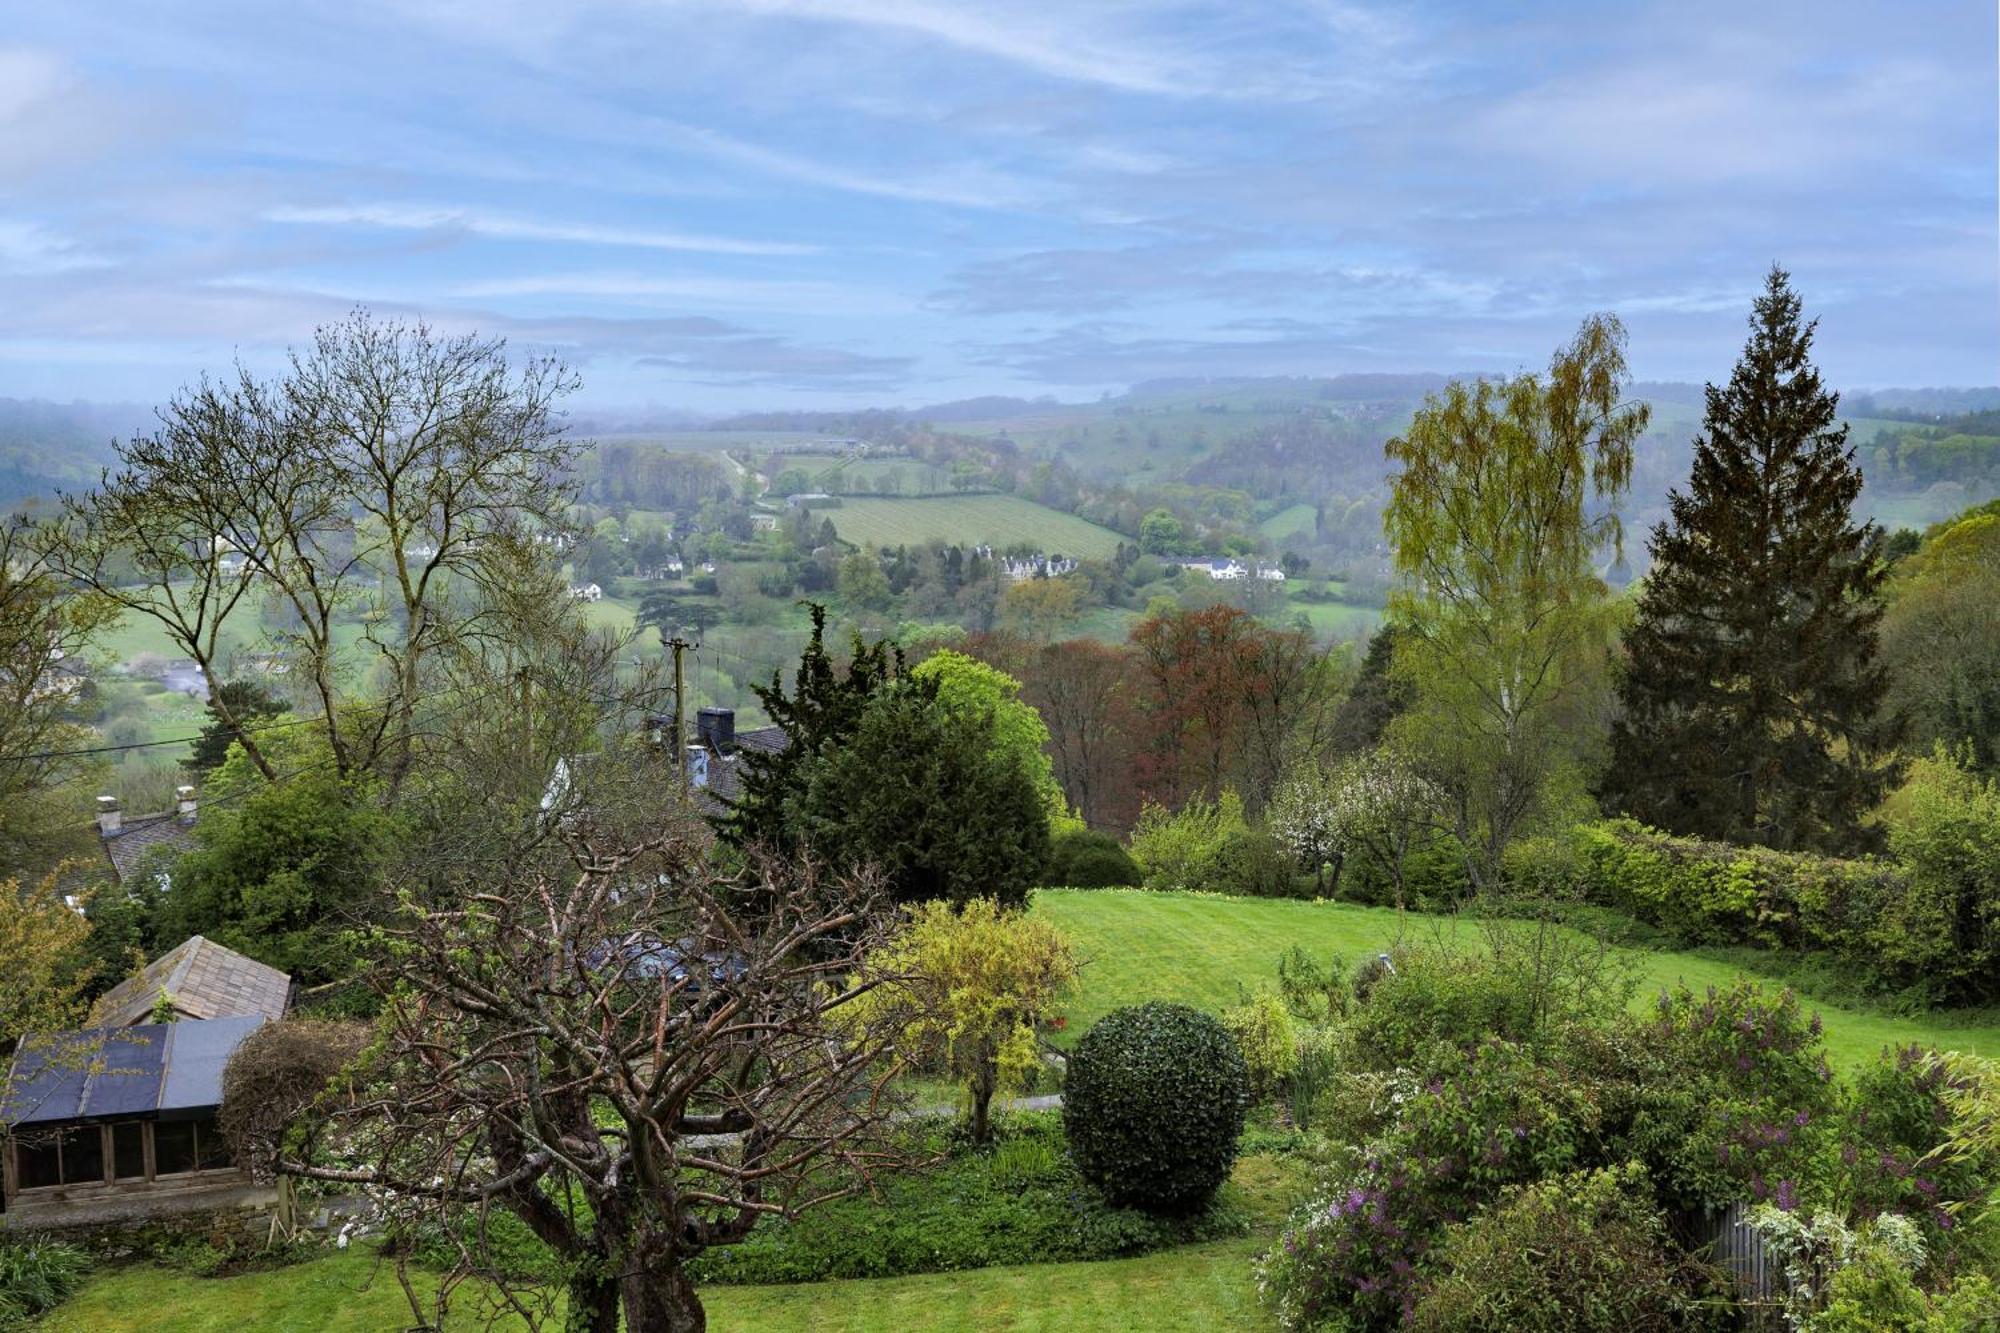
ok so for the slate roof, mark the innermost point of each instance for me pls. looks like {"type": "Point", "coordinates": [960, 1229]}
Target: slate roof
{"type": "Point", "coordinates": [142, 834]}
{"type": "Point", "coordinates": [725, 780]}
{"type": "Point", "coordinates": [171, 1070]}
{"type": "Point", "coordinates": [204, 980]}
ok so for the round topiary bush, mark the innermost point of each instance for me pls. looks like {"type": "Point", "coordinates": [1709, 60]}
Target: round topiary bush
{"type": "Point", "coordinates": [1153, 1105]}
{"type": "Point", "coordinates": [1091, 860]}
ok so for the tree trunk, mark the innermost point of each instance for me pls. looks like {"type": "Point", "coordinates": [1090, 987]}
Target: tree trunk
{"type": "Point", "coordinates": [593, 1303]}
{"type": "Point", "coordinates": [662, 1299]}
{"type": "Point", "coordinates": [982, 1105]}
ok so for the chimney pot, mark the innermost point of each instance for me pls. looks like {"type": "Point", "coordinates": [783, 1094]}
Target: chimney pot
{"type": "Point", "coordinates": [110, 823]}
{"type": "Point", "coordinates": [716, 729]}
{"type": "Point", "coordinates": [184, 804]}
{"type": "Point", "coordinates": [697, 766]}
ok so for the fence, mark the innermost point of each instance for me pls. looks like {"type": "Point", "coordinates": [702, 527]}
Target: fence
{"type": "Point", "coordinates": [1734, 1246]}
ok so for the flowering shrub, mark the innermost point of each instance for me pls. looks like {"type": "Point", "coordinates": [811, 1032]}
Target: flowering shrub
{"type": "Point", "coordinates": [1485, 1119]}
{"type": "Point", "coordinates": [1739, 1099]}
{"type": "Point", "coordinates": [1586, 1250]}
{"type": "Point", "coordinates": [1895, 1136]}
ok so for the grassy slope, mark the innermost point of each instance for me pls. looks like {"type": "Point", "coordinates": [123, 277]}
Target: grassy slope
{"type": "Point", "coordinates": [1197, 949]}
{"type": "Point", "coordinates": [998, 520]}
{"type": "Point", "coordinates": [1198, 1287]}
{"type": "Point", "coordinates": [1292, 520]}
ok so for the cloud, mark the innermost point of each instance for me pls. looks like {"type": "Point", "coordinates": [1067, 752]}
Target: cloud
{"type": "Point", "coordinates": [795, 296]}
{"type": "Point", "coordinates": [27, 247]}
{"type": "Point", "coordinates": [110, 310]}
{"type": "Point", "coordinates": [418, 217]}
{"type": "Point", "coordinates": [1274, 51]}
{"type": "Point", "coordinates": [961, 186]}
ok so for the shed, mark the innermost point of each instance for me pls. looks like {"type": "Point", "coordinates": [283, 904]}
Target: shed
{"type": "Point", "coordinates": [118, 1114]}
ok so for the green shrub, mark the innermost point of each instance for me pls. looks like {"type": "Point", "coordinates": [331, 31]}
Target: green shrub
{"type": "Point", "coordinates": [1264, 1032]}
{"type": "Point", "coordinates": [1586, 1250]}
{"type": "Point", "coordinates": [1897, 1117]}
{"type": "Point", "coordinates": [1866, 1279]}
{"type": "Point", "coordinates": [1735, 1098]}
{"type": "Point", "coordinates": [1525, 984]}
{"type": "Point", "coordinates": [1177, 849]}
{"type": "Point", "coordinates": [36, 1276]}
{"type": "Point", "coordinates": [1086, 859]}
{"type": "Point", "coordinates": [1023, 1202]}
{"type": "Point", "coordinates": [1456, 1135]}
{"type": "Point", "coordinates": [1942, 934]}
{"type": "Point", "coordinates": [1249, 863]}
{"type": "Point", "coordinates": [1720, 893]}
{"type": "Point", "coordinates": [1153, 1103]}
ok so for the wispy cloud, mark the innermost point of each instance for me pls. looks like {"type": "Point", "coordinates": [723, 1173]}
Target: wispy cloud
{"type": "Point", "coordinates": [417, 217]}
{"type": "Point", "coordinates": [803, 296]}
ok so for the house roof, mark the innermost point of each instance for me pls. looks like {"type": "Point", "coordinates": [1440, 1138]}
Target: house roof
{"type": "Point", "coordinates": [725, 778]}
{"type": "Point", "coordinates": [141, 834]}
{"type": "Point", "coordinates": [172, 1070]}
{"type": "Point", "coordinates": [202, 979]}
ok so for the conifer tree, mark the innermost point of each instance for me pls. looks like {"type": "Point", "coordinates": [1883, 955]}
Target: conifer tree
{"type": "Point", "coordinates": [1752, 690]}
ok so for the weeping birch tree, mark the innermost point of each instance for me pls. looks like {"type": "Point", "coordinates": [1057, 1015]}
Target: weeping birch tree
{"type": "Point", "coordinates": [1507, 495]}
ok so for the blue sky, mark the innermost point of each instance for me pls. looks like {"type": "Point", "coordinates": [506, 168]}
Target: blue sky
{"type": "Point", "coordinates": [788, 202]}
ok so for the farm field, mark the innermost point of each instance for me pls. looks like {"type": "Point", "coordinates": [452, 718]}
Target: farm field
{"type": "Point", "coordinates": [868, 474]}
{"type": "Point", "coordinates": [1334, 620]}
{"type": "Point", "coordinates": [997, 520]}
{"type": "Point", "coordinates": [1197, 1287]}
{"type": "Point", "coordinates": [1290, 521]}
{"type": "Point", "coordinates": [1198, 949]}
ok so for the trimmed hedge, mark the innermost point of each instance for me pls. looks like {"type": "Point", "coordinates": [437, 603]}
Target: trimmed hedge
{"type": "Point", "coordinates": [1153, 1105]}
{"type": "Point", "coordinates": [1721, 893]}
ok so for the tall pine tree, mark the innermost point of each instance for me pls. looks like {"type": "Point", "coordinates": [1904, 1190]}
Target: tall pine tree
{"type": "Point", "coordinates": [1752, 691]}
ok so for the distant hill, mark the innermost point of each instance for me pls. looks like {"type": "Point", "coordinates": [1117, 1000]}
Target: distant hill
{"type": "Point", "coordinates": [47, 446]}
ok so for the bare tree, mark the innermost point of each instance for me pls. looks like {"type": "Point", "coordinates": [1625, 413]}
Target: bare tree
{"type": "Point", "coordinates": [373, 483]}
{"type": "Point", "coordinates": [635, 1057]}
{"type": "Point", "coordinates": [44, 630]}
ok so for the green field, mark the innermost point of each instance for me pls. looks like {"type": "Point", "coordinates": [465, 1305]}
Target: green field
{"type": "Point", "coordinates": [1195, 948]}
{"type": "Point", "coordinates": [1199, 1287]}
{"type": "Point", "coordinates": [998, 521]}
{"type": "Point", "coordinates": [1294, 520]}
{"type": "Point", "coordinates": [1335, 620]}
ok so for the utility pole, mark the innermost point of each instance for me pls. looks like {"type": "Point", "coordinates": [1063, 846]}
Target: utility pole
{"type": "Point", "coordinates": [678, 645]}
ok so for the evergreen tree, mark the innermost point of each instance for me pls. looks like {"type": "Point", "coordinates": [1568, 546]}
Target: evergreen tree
{"type": "Point", "coordinates": [244, 701]}
{"type": "Point", "coordinates": [822, 712]}
{"type": "Point", "coordinates": [1751, 697]}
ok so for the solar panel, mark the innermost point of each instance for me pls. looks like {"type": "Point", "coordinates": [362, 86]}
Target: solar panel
{"type": "Point", "coordinates": [125, 1075]}
{"type": "Point", "coordinates": [46, 1082]}
{"type": "Point", "coordinates": [195, 1059]}
{"type": "Point", "coordinates": [109, 1072]}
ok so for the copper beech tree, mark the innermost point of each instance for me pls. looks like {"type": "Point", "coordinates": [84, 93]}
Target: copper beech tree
{"type": "Point", "coordinates": [634, 1055]}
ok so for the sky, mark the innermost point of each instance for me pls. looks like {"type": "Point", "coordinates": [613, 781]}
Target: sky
{"type": "Point", "coordinates": [712, 205]}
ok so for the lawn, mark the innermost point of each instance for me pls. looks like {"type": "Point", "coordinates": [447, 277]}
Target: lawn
{"type": "Point", "coordinates": [998, 521]}
{"type": "Point", "coordinates": [1197, 949]}
{"type": "Point", "coordinates": [1196, 1287]}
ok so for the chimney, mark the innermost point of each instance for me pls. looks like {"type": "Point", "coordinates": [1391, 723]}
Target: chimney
{"type": "Point", "coordinates": [716, 729]}
{"type": "Point", "coordinates": [109, 822]}
{"type": "Point", "coordinates": [697, 766]}
{"type": "Point", "coordinates": [184, 804]}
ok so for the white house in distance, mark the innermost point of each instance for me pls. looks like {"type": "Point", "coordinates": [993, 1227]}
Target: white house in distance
{"type": "Point", "coordinates": [1229, 570]}
{"type": "Point", "coordinates": [587, 592]}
